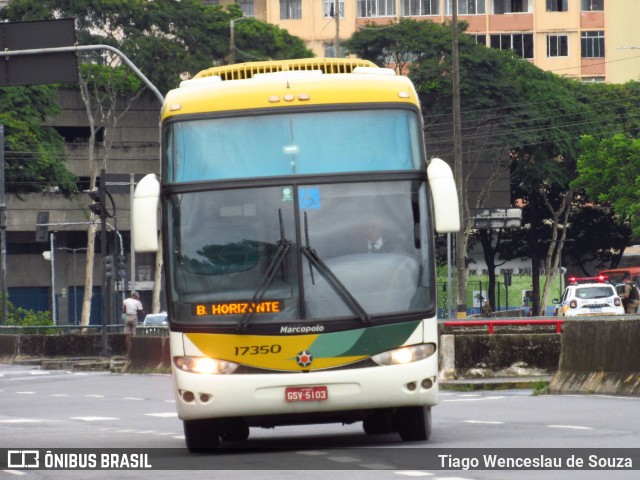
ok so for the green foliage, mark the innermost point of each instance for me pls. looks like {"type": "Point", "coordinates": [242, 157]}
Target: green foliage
{"type": "Point", "coordinates": [609, 172]}
{"type": "Point", "coordinates": [540, 387]}
{"type": "Point", "coordinates": [17, 316]}
{"type": "Point", "coordinates": [34, 154]}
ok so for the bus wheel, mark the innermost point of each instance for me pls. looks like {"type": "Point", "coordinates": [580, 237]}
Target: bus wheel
{"type": "Point", "coordinates": [414, 423]}
{"type": "Point", "coordinates": [237, 431]}
{"type": "Point", "coordinates": [381, 421]}
{"type": "Point", "coordinates": [201, 435]}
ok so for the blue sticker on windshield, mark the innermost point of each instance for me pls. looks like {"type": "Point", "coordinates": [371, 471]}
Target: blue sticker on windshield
{"type": "Point", "coordinates": [309, 198]}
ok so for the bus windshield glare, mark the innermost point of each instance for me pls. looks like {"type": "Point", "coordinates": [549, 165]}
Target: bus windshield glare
{"type": "Point", "coordinates": [293, 143]}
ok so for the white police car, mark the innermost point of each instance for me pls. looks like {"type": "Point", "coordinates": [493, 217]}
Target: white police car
{"type": "Point", "coordinates": [590, 298]}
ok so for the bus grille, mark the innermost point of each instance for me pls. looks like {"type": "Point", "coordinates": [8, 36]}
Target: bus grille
{"type": "Point", "coordinates": [242, 71]}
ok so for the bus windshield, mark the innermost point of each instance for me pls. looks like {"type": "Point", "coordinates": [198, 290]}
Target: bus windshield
{"type": "Point", "coordinates": [292, 143]}
{"type": "Point", "coordinates": [289, 253]}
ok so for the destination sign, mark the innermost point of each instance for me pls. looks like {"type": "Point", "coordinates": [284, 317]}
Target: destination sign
{"type": "Point", "coordinates": [237, 308]}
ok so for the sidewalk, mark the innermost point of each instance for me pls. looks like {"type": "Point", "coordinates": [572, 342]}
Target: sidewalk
{"type": "Point", "coordinates": [75, 364]}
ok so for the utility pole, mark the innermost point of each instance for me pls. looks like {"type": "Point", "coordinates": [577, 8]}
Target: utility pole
{"type": "Point", "coordinates": [457, 164]}
{"type": "Point", "coordinates": [336, 44]}
{"type": "Point", "coordinates": [3, 232]}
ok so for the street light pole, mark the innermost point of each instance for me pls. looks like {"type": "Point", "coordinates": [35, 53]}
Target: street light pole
{"type": "Point", "coordinates": [232, 42]}
{"type": "Point", "coordinates": [457, 164]}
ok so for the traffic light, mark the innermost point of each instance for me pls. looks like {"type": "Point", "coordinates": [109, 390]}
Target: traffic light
{"type": "Point", "coordinates": [122, 267]}
{"type": "Point", "coordinates": [107, 264]}
{"type": "Point", "coordinates": [96, 207]}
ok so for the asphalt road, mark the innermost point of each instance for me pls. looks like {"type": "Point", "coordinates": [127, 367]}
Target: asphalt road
{"type": "Point", "coordinates": [59, 409]}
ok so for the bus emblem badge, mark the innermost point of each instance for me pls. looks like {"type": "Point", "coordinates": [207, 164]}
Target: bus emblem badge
{"type": "Point", "coordinates": [304, 358]}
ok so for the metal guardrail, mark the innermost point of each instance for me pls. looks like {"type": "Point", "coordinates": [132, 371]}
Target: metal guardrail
{"type": "Point", "coordinates": [493, 323]}
{"type": "Point", "coordinates": [142, 330]}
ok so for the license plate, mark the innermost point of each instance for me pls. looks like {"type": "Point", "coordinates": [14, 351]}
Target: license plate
{"type": "Point", "coordinates": [306, 394]}
{"type": "Point", "coordinates": [594, 310]}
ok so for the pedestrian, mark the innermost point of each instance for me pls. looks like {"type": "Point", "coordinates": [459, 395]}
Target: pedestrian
{"type": "Point", "coordinates": [486, 310]}
{"type": "Point", "coordinates": [631, 295]}
{"type": "Point", "coordinates": [131, 307]}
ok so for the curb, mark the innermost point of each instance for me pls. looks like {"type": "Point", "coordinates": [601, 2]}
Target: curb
{"type": "Point", "coordinates": [497, 383]}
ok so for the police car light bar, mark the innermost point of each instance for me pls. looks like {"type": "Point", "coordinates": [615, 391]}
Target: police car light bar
{"type": "Point", "coordinates": [598, 279]}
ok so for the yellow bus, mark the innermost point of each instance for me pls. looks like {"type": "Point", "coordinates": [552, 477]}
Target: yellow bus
{"type": "Point", "coordinates": [298, 212]}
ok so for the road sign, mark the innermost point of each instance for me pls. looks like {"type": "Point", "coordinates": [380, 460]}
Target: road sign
{"type": "Point", "coordinates": [486, 218]}
{"type": "Point", "coordinates": [38, 68]}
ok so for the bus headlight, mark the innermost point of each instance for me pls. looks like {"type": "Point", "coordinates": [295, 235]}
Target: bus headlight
{"type": "Point", "coordinates": [205, 365]}
{"type": "Point", "coordinates": [404, 355]}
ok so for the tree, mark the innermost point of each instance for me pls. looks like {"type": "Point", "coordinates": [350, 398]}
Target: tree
{"type": "Point", "coordinates": [609, 172]}
{"type": "Point", "coordinates": [34, 158]}
{"type": "Point", "coordinates": [554, 116]}
{"type": "Point", "coordinates": [165, 38]}
{"type": "Point", "coordinates": [423, 49]}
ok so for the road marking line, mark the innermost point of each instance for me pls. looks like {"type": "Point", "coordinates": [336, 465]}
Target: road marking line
{"type": "Point", "coordinates": [164, 415]}
{"type": "Point", "coordinates": [93, 419]}
{"type": "Point", "coordinates": [344, 459]}
{"type": "Point", "coordinates": [133, 398]}
{"type": "Point", "coordinates": [377, 466]}
{"type": "Point", "coordinates": [19, 420]}
{"type": "Point", "coordinates": [474, 399]}
{"type": "Point", "coordinates": [14, 472]}
{"type": "Point", "coordinates": [95, 396]}
{"type": "Point", "coordinates": [484, 422]}
{"type": "Point", "coordinates": [414, 473]}
{"type": "Point", "coordinates": [59, 395]}
{"type": "Point", "coordinates": [312, 452]}
{"type": "Point", "coordinates": [26, 393]}
{"type": "Point", "coordinates": [573, 427]}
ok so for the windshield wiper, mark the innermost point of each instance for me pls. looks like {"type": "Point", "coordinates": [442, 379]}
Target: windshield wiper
{"type": "Point", "coordinates": [337, 286]}
{"type": "Point", "coordinates": [283, 247]}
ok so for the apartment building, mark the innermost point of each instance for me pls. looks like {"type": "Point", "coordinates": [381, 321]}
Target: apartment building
{"type": "Point", "coordinates": [593, 40]}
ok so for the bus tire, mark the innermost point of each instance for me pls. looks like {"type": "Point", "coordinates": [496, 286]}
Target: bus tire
{"type": "Point", "coordinates": [380, 422]}
{"type": "Point", "coordinates": [414, 423]}
{"type": "Point", "coordinates": [234, 431]}
{"type": "Point", "coordinates": [201, 435]}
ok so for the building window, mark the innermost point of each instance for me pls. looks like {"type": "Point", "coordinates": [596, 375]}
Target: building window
{"type": "Point", "coordinates": [557, 46]}
{"type": "Point", "coordinates": [467, 7]}
{"type": "Point", "coordinates": [521, 43]}
{"type": "Point", "coordinates": [592, 44]}
{"type": "Point", "coordinates": [592, 5]}
{"type": "Point", "coordinates": [376, 8]}
{"type": "Point", "coordinates": [511, 6]}
{"type": "Point", "coordinates": [290, 9]}
{"type": "Point", "coordinates": [557, 5]}
{"type": "Point", "coordinates": [329, 7]}
{"type": "Point", "coordinates": [416, 8]}
{"type": "Point", "coordinates": [480, 39]}
{"type": "Point", "coordinates": [592, 79]}
{"type": "Point", "coordinates": [247, 7]}
{"type": "Point", "coordinates": [330, 50]}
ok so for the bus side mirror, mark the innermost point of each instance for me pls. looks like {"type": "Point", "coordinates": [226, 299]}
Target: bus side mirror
{"type": "Point", "coordinates": [144, 215]}
{"type": "Point", "coordinates": [444, 195]}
